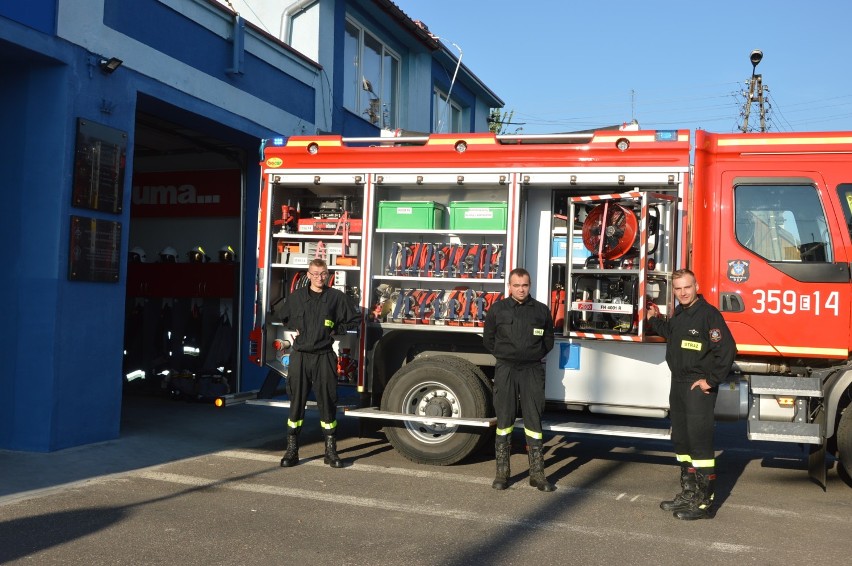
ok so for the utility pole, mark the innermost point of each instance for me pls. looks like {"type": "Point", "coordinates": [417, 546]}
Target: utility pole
{"type": "Point", "coordinates": [755, 93]}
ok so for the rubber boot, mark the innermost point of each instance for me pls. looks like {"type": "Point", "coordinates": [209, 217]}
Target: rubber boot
{"type": "Point", "coordinates": [502, 451]}
{"type": "Point", "coordinates": [291, 456]}
{"type": "Point", "coordinates": [537, 478]}
{"type": "Point", "coordinates": [701, 505]}
{"type": "Point", "coordinates": [331, 457]}
{"type": "Point", "coordinates": [687, 491]}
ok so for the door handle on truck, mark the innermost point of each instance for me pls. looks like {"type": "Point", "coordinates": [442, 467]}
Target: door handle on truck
{"type": "Point", "coordinates": [732, 302]}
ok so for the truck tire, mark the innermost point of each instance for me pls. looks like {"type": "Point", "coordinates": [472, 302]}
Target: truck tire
{"type": "Point", "coordinates": [438, 386]}
{"type": "Point", "coordinates": [844, 446]}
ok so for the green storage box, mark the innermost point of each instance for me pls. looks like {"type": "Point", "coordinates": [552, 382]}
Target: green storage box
{"type": "Point", "coordinates": [419, 215]}
{"type": "Point", "coordinates": [467, 215]}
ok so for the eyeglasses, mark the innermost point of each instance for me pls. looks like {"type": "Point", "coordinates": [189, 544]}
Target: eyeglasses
{"type": "Point", "coordinates": [318, 274]}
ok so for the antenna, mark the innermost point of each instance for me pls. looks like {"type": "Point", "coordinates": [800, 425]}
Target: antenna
{"type": "Point", "coordinates": [632, 105]}
{"type": "Point", "coordinates": [452, 83]}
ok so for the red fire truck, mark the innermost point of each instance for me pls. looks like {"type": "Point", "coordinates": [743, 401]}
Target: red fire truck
{"type": "Point", "coordinates": [421, 233]}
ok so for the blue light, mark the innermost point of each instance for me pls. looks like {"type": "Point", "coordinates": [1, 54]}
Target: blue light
{"type": "Point", "coordinates": [665, 135]}
{"type": "Point", "coordinates": [279, 141]}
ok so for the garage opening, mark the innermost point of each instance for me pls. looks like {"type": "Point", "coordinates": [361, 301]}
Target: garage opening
{"type": "Point", "coordinates": [181, 335]}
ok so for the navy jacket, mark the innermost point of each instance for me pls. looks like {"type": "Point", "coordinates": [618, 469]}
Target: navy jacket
{"type": "Point", "coordinates": [518, 333]}
{"type": "Point", "coordinates": [317, 316]}
{"type": "Point", "coordinates": [699, 343]}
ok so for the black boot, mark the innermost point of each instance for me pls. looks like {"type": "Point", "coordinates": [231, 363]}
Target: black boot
{"type": "Point", "coordinates": [537, 478]}
{"type": "Point", "coordinates": [701, 505]}
{"type": "Point", "coordinates": [687, 492]}
{"type": "Point", "coordinates": [331, 457]}
{"type": "Point", "coordinates": [502, 451]}
{"type": "Point", "coordinates": [291, 456]}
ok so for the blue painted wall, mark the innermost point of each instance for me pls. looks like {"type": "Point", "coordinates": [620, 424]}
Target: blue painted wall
{"type": "Point", "coordinates": [61, 370]}
{"type": "Point", "coordinates": [37, 14]}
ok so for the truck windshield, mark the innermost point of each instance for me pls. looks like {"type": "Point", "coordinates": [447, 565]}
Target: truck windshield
{"type": "Point", "coordinates": [782, 222]}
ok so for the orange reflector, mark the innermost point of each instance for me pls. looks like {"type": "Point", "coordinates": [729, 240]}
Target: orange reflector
{"type": "Point", "coordinates": [219, 402]}
{"type": "Point", "coordinates": [786, 401]}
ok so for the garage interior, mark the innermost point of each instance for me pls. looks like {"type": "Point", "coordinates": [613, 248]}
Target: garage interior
{"type": "Point", "coordinates": [181, 335]}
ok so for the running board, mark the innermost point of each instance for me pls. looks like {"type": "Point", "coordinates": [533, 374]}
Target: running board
{"type": "Point", "coordinates": [576, 428]}
{"type": "Point", "coordinates": [607, 430]}
{"type": "Point", "coordinates": [309, 406]}
{"type": "Point", "coordinates": [370, 413]}
{"type": "Point", "coordinates": [782, 385]}
{"type": "Point", "coordinates": [800, 433]}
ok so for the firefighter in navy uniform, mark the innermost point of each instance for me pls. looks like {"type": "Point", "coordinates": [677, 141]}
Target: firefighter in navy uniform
{"type": "Point", "coordinates": [519, 332]}
{"type": "Point", "coordinates": [700, 351]}
{"type": "Point", "coordinates": [315, 312]}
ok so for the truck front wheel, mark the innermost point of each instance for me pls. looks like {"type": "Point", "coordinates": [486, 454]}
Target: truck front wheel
{"type": "Point", "coordinates": [441, 386]}
{"type": "Point", "coordinates": [844, 445]}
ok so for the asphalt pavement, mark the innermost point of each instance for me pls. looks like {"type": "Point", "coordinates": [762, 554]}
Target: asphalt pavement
{"type": "Point", "coordinates": [186, 483]}
{"type": "Point", "coordinates": [154, 430]}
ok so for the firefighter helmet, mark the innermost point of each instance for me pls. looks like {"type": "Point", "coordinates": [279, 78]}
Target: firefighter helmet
{"type": "Point", "coordinates": [227, 254]}
{"type": "Point", "coordinates": [168, 255]}
{"type": "Point", "coordinates": [136, 255]}
{"type": "Point", "coordinates": [197, 255]}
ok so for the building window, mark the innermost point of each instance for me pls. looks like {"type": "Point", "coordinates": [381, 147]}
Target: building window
{"type": "Point", "coordinates": [782, 223]}
{"type": "Point", "coordinates": [446, 118]}
{"type": "Point", "coordinates": [371, 77]}
{"type": "Point", "coordinates": [302, 32]}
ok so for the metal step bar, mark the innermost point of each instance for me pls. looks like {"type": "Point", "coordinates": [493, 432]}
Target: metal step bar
{"type": "Point", "coordinates": [608, 430]}
{"type": "Point", "coordinates": [553, 426]}
{"type": "Point", "coordinates": [786, 386]}
{"type": "Point", "coordinates": [802, 433]}
{"type": "Point", "coordinates": [372, 413]}
{"type": "Point", "coordinates": [309, 406]}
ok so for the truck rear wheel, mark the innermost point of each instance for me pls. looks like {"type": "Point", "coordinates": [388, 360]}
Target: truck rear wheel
{"type": "Point", "coordinates": [844, 445]}
{"type": "Point", "coordinates": [441, 386]}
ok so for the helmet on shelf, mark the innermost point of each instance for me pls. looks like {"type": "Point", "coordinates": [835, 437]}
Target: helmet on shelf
{"type": "Point", "coordinates": [168, 255]}
{"type": "Point", "coordinates": [197, 255]}
{"type": "Point", "coordinates": [227, 254]}
{"type": "Point", "coordinates": [136, 255]}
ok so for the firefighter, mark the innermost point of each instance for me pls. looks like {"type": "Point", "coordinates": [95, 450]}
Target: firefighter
{"type": "Point", "coordinates": [700, 351]}
{"type": "Point", "coordinates": [519, 332]}
{"type": "Point", "coordinates": [315, 312]}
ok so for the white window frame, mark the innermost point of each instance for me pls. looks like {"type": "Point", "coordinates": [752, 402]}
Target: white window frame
{"type": "Point", "coordinates": [446, 119]}
{"type": "Point", "coordinates": [378, 104]}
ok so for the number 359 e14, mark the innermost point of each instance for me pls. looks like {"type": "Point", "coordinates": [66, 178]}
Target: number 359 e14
{"type": "Point", "coordinates": [777, 301]}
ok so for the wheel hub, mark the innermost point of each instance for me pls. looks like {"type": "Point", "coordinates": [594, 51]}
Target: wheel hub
{"type": "Point", "coordinates": [437, 404]}
{"type": "Point", "coordinates": [432, 399]}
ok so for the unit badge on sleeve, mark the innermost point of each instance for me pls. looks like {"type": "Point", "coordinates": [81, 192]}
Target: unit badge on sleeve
{"type": "Point", "coordinates": [738, 270]}
{"type": "Point", "coordinates": [715, 334]}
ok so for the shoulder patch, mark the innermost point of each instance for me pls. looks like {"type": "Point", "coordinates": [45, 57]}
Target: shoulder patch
{"type": "Point", "coordinates": [715, 334]}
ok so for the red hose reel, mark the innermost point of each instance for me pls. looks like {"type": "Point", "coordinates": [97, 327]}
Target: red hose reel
{"type": "Point", "coordinates": [609, 230]}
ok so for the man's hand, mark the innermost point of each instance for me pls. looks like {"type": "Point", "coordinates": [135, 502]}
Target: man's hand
{"type": "Point", "coordinates": [652, 311]}
{"type": "Point", "coordinates": [702, 383]}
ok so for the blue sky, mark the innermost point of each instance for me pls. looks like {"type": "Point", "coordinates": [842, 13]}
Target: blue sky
{"type": "Point", "coordinates": [564, 65]}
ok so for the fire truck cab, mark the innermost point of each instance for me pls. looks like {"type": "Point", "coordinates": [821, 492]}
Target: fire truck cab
{"type": "Point", "coordinates": [421, 233]}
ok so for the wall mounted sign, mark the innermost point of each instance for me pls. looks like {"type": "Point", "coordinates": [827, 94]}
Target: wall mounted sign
{"type": "Point", "coordinates": [99, 159]}
{"type": "Point", "coordinates": [171, 194]}
{"type": "Point", "coordinates": [94, 250]}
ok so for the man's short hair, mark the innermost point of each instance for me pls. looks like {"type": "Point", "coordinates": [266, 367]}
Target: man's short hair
{"type": "Point", "coordinates": [683, 273]}
{"type": "Point", "coordinates": [317, 262]}
{"type": "Point", "coordinates": [520, 272]}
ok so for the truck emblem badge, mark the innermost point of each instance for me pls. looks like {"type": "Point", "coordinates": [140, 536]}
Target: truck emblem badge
{"type": "Point", "coordinates": [715, 335]}
{"type": "Point", "coordinates": [738, 270]}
